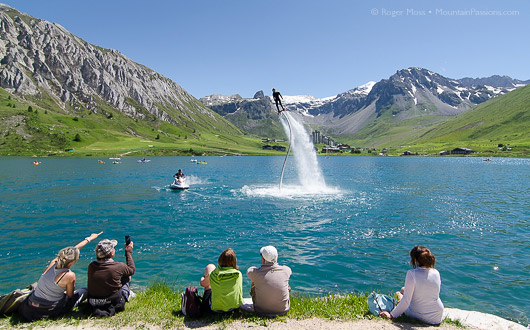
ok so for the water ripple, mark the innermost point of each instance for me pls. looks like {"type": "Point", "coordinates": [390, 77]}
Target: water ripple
{"type": "Point", "coordinates": [353, 237]}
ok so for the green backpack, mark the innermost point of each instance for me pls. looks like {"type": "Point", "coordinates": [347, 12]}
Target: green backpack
{"type": "Point", "coordinates": [9, 302]}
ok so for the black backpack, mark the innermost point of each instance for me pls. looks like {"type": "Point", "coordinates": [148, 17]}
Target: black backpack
{"type": "Point", "coordinates": [190, 304]}
{"type": "Point", "coordinates": [10, 302]}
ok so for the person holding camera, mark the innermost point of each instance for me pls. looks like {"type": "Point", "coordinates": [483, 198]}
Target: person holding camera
{"type": "Point", "coordinates": [109, 281]}
{"type": "Point", "coordinates": [55, 292]}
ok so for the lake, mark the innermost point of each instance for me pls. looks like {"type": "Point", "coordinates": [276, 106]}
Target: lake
{"type": "Point", "coordinates": [353, 236]}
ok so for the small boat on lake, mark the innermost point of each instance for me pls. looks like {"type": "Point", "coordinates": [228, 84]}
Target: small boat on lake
{"type": "Point", "coordinates": [144, 160]}
{"type": "Point", "coordinates": [202, 162]}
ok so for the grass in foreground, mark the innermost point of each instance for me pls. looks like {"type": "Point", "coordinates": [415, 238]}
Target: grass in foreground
{"type": "Point", "coordinates": [159, 306]}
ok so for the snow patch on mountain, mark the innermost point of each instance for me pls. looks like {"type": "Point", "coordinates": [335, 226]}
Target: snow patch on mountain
{"type": "Point", "coordinates": [287, 99]}
{"type": "Point", "coordinates": [494, 90]}
{"type": "Point", "coordinates": [218, 99]}
{"type": "Point", "coordinates": [364, 89]}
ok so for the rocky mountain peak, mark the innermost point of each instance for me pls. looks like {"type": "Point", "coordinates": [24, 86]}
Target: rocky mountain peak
{"type": "Point", "coordinates": [259, 95]}
{"type": "Point", "coordinates": [38, 57]}
{"type": "Point", "coordinates": [495, 81]}
{"type": "Point", "coordinates": [409, 93]}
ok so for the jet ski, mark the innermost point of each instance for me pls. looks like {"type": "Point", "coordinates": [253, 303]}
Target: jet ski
{"type": "Point", "coordinates": [179, 183]}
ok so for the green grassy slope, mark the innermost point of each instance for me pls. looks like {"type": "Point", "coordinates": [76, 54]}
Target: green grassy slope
{"type": "Point", "coordinates": [266, 127]}
{"type": "Point", "coordinates": [386, 132]}
{"type": "Point", "coordinates": [49, 130]}
{"type": "Point", "coordinates": [504, 120]}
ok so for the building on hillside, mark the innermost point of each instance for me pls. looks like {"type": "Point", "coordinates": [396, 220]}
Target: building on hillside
{"type": "Point", "coordinates": [316, 137]}
{"type": "Point", "coordinates": [330, 149]}
{"type": "Point", "coordinates": [329, 141]}
{"type": "Point", "coordinates": [267, 140]}
{"type": "Point", "coordinates": [461, 151]}
{"type": "Point", "coordinates": [277, 148]}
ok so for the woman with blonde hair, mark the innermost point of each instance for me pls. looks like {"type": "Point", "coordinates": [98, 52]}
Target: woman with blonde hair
{"type": "Point", "coordinates": [55, 292]}
{"type": "Point", "coordinates": [420, 298]}
{"type": "Point", "coordinates": [223, 286]}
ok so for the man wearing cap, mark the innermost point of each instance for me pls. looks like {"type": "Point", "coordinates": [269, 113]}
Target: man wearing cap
{"type": "Point", "coordinates": [270, 284]}
{"type": "Point", "coordinates": [108, 280]}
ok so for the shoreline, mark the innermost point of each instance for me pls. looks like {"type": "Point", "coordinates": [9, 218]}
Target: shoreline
{"type": "Point", "coordinates": [470, 320]}
{"type": "Point", "coordinates": [131, 154]}
{"type": "Point", "coordinates": [159, 307]}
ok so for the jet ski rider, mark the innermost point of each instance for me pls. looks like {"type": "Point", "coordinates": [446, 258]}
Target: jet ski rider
{"type": "Point", "coordinates": [179, 175]}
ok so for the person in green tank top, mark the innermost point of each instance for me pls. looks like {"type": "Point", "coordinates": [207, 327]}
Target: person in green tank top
{"type": "Point", "coordinates": [223, 285]}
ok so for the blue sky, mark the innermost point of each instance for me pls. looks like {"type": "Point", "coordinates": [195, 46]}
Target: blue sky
{"type": "Point", "coordinates": [300, 47]}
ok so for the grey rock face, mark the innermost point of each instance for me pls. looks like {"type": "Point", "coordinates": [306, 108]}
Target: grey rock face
{"type": "Point", "coordinates": [255, 115]}
{"type": "Point", "coordinates": [259, 95]}
{"type": "Point", "coordinates": [256, 108]}
{"type": "Point", "coordinates": [38, 56]}
{"type": "Point", "coordinates": [409, 93]}
{"type": "Point", "coordinates": [494, 81]}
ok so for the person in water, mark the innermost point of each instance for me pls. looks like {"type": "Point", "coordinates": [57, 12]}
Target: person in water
{"type": "Point", "coordinates": [420, 298]}
{"type": "Point", "coordinates": [278, 100]}
{"type": "Point", "coordinates": [55, 293]}
{"type": "Point", "coordinates": [269, 286]}
{"type": "Point", "coordinates": [223, 285]}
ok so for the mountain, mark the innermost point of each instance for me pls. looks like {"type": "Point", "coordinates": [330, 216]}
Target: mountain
{"type": "Point", "coordinates": [255, 115]}
{"type": "Point", "coordinates": [44, 65]}
{"type": "Point", "coordinates": [504, 120]}
{"type": "Point", "coordinates": [410, 95]}
{"type": "Point", "coordinates": [494, 81]}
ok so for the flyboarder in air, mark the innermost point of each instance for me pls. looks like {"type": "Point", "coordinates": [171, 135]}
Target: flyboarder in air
{"type": "Point", "coordinates": [277, 99]}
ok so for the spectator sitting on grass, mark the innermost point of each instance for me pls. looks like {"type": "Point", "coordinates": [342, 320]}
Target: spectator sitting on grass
{"type": "Point", "coordinates": [223, 286]}
{"type": "Point", "coordinates": [420, 298]}
{"type": "Point", "coordinates": [55, 292]}
{"type": "Point", "coordinates": [270, 284]}
{"type": "Point", "coordinates": [109, 281]}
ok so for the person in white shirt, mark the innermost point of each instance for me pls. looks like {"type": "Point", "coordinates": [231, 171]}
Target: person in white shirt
{"type": "Point", "coordinates": [420, 298]}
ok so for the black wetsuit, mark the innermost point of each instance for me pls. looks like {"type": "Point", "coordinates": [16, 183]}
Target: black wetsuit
{"type": "Point", "coordinates": [276, 95]}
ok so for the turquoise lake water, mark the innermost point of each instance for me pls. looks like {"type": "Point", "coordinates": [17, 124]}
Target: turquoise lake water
{"type": "Point", "coordinates": [353, 237]}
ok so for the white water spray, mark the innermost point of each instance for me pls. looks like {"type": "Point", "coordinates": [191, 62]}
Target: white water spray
{"type": "Point", "coordinates": [305, 157]}
{"type": "Point", "coordinates": [311, 181]}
